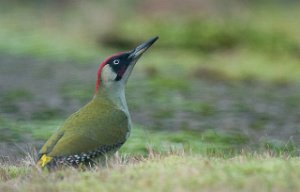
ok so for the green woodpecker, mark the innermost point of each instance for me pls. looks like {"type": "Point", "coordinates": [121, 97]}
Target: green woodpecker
{"type": "Point", "coordinates": [103, 125]}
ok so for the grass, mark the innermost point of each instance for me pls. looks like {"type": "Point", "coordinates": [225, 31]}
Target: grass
{"type": "Point", "coordinates": [163, 173]}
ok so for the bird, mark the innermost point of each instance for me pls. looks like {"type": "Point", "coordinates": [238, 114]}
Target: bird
{"type": "Point", "coordinates": [103, 125]}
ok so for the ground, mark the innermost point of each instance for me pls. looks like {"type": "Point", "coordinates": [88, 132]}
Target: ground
{"type": "Point", "coordinates": [174, 172]}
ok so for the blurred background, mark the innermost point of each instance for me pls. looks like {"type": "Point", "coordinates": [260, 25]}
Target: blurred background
{"type": "Point", "coordinates": [224, 75]}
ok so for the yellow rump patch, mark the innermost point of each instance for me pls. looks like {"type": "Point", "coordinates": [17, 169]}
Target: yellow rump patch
{"type": "Point", "coordinates": [44, 160]}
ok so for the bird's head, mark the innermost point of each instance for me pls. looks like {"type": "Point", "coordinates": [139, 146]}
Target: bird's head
{"type": "Point", "coordinates": [115, 70]}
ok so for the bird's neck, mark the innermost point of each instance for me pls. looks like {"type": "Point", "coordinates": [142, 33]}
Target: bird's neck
{"type": "Point", "coordinates": [115, 94]}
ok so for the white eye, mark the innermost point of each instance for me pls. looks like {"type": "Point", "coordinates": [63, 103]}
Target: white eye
{"type": "Point", "coordinates": [116, 61]}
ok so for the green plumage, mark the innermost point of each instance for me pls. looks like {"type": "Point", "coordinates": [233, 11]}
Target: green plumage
{"type": "Point", "coordinates": [99, 123]}
{"type": "Point", "coordinates": [101, 126]}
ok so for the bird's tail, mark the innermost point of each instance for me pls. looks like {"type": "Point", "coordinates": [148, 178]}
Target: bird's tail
{"type": "Point", "coordinates": [44, 160]}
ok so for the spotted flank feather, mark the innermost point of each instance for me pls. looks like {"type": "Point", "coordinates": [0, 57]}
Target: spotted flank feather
{"type": "Point", "coordinates": [75, 160]}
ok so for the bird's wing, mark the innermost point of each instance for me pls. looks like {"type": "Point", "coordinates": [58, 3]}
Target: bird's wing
{"type": "Point", "coordinates": [87, 130]}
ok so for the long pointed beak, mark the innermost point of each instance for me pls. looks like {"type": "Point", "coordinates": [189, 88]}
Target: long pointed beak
{"type": "Point", "coordinates": [139, 50]}
{"type": "Point", "coordinates": [135, 54]}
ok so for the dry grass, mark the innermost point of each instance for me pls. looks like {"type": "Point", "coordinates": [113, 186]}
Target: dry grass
{"type": "Point", "coordinates": [172, 172]}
